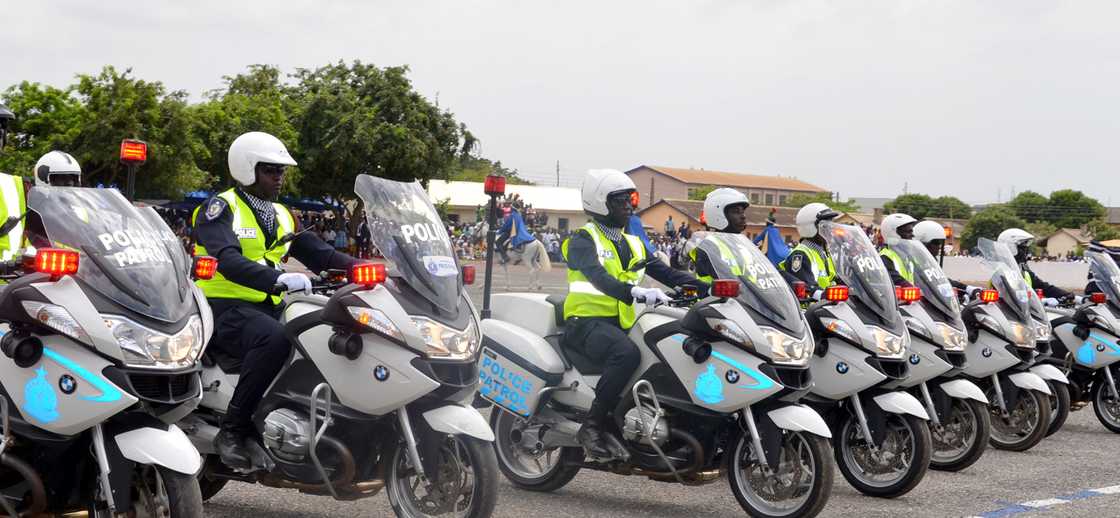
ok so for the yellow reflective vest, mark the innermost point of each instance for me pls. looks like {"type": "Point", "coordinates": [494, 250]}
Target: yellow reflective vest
{"type": "Point", "coordinates": [584, 299]}
{"type": "Point", "coordinates": [14, 205]}
{"type": "Point", "coordinates": [253, 247]}
{"type": "Point", "coordinates": [822, 267]}
{"type": "Point", "coordinates": [899, 264]}
{"type": "Point", "coordinates": [725, 253]}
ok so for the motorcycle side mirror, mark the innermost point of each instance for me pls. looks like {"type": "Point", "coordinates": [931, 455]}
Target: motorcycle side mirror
{"type": "Point", "coordinates": [638, 265]}
{"type": "Point", "coordinates": [11, 223]}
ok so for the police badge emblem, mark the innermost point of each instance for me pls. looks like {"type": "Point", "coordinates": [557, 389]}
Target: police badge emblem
{"type": "Point", "coordinates": [795, 263]}
{"type": "Point", "coordinates": [215, 208]}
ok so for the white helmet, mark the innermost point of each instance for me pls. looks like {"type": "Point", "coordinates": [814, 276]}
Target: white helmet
{"type": "Point", "coordinates": [890, 225]}
{"type": "Point", "coordinates": [810, 215]}
{"type": "Point", "coordinates": [717, 202]}
{"type": "Point", "coordinates": [600, 183]}
{"type": "Point", "coordinates": [254, 148]}
{"type": "Point", "coordinates": [1014, 238]}
{"type": "Point", "coordinates": [928, 231]}
{"type": "Point", "coordinates": [55, 163]}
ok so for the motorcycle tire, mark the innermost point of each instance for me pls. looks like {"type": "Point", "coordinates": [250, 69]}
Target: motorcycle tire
{"type": "Point", "coordinates": [1035, 436]}
{"type": "Point", "coordinates": [479, 456]}
{"type": "Point", "coordinates": [1059, 406]}
{"type": "Point", "coordinates": [181, 493]}
{"type": "Point", "coordinates": [922, 449]}
{"type": "Point", "coordinates": [1102, 400]}
{"type": "Point", "coordinates": [555, 477]}
{"type": "Point", "coordinates": [979, 440]}
{"type": "Point", "coordinates": [822, 472]}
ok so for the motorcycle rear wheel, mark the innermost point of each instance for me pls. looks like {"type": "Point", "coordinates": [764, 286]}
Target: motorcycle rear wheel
{"type": "Point", "coordinates": [543, 471]}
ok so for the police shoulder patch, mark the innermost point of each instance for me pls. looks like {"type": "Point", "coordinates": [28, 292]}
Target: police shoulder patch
{"type": "Point", "coordinates": [795, 262]}
{"type": "Point", "coordinates": [215, 208]}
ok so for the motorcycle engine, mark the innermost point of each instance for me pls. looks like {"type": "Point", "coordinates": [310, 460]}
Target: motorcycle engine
{"type": "Point", "coordinates": [633, 427]}
{"type": "Point", "coordinates": [287, 434]}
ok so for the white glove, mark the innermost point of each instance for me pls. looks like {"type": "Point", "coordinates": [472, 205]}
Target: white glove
{"type": "Point", "coordinates": [1078, 299]}
{"type": "Point", "coordinates": [1050, 302]}
{"type": "Point", "coordinates": [817, 295]}
{"type": "Point", "coordinates": [651, 297]}
{"type": "Point", "coordinates": [971, 291]}
{"type": "Point", "coordinates": [295, 282]}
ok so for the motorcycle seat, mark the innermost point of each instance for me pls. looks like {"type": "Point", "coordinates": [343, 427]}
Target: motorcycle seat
{"type": "Point", "coordinates": [571, 356]}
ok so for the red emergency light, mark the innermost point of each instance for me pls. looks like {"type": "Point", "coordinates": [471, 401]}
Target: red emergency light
{"type": "Point", "coordinates": [495, 185]}
{"type": "Point", "coordinates": [134, 152]}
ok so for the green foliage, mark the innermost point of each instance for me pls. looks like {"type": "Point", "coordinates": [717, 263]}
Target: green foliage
{"type": "Point", "coordinates": [47, 119]}
{"type": "Point", "coordinates": [802, 199]}
{"type": "Point", "coordinates": [1030, 205]}
{"type": "Point", "coordinates": [922, 206]}
{"type": "Point", "coordinates": [474, 169]}
{"type": "Point", "coordinates": [989, 223]}
{"type": "Point", "coordinates": [1073, 209]}
{"type": "Point", "coordinates": [699, 193]}
{"type": "Point", "coordinates": [1102, 231]}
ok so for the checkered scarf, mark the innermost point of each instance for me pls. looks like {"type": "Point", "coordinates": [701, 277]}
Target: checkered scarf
{"type": "Point", "coordinates": [614, 234]}
{"type": "Point", "coordinates": [266, 212]}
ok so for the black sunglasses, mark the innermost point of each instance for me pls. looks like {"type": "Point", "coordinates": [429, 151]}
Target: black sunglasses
{"type": "Point", "coordinates": [272, 169]}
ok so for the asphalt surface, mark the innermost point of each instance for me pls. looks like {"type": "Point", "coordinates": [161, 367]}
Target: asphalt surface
{"type": "Point", "coordinates": [1069, 474]}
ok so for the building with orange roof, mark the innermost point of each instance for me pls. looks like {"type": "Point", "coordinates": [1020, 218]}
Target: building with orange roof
{"type": "Point", "coordinates": [659, 182]}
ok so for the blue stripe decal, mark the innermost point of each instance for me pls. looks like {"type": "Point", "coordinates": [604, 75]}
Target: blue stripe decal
{"type": "Point", "coordinates": [109, 393]}
{"type": "Point", "coordinates": [761, 382]}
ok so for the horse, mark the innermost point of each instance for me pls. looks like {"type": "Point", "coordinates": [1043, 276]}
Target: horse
{"type": "Point", "coordinates": [533, 254]}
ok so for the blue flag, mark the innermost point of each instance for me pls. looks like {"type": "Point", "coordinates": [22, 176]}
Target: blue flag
{"type": "Point", "coordinates": [771, 243]}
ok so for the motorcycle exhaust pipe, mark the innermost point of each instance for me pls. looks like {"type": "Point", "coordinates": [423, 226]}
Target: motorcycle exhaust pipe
{"type": "Point", "coordinates": [343, 482]}
{"type": "Point", "coordinates": [38, 491]}
{"type": "Point", "coordinates": [697, 456]}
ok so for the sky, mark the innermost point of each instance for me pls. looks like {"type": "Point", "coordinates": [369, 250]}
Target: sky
{"type": "Point", "coordinates": [976, 99]}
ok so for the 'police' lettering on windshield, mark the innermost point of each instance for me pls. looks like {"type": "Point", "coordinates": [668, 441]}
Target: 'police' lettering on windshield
{"type": "Point", "coordinates": [419, 231]}
{"type": "Point", "coordinates": [133, 247]}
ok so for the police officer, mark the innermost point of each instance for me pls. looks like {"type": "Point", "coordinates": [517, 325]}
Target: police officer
{"type": "Point", "coordinates": [810, 262]}
{"type": "Point", "coordinates": [1020, 241]}
{"type": "Point", "coordinates": [895, 228]}
{"type": "Point", "coordinates": [932, 234]}
{"type": "Point", "coordinates": [604, 270]}
{"type": "Point", "coordinates": [13, 201]}
{"type": "Point", "coordinates": [249, 233]}
{"type": "Point", "coordinates": [725, 210]}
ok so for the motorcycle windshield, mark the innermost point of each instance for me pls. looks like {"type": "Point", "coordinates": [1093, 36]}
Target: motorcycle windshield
{"type": "Point", "coordinates": [128, 254]}
{"type": "Point", "coordinates": [859, 267]}
{"type": "Point", "coordinates": [1106, 275]}
{"type": "Point", "coordinates": [408, 231]}
{"type": "Point", "coordinates": [733, 256]}
{"type": "Point", "coordinates": [930, 278]}
{"type": "Point", "coordinates": [1007, 278]}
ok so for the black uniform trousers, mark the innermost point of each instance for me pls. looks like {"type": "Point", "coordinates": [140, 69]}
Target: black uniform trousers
{"type": "Point", "coordinates": [253, 333]}
{"type": "Point", "coordinates": [602, 339]}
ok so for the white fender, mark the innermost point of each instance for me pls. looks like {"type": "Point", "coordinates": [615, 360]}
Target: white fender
{"type": "Point", "coordinates": [800, 418]}
{"type": "Point", "coordinates": [455, 419]}
{"type": "Point", "coordinates": [964, 389]}
{"type": "Point", "coordinates": [168, 448]}
{"type": "Point", "coordinates": [1030, 381]}
{"type": "Point", "coordinates": [901, 403]}
{"type": "Point", "coordinates": [1050, 372]}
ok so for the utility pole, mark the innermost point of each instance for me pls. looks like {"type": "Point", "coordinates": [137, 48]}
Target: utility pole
{"type": "Point", "coordinates": [558, 173]}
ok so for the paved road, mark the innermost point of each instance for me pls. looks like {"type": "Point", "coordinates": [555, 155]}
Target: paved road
{"type": "Point", "coordinates": [1070, 474]}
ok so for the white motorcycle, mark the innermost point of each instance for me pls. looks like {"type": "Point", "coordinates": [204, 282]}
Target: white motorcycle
{"type": "Point", "coordinates": [882, 442]}
{"type": "Point", "coordinates": [103, 330]}
{"type": "Point", "coordinates": [716, 391]}
{"type": "Point", "coordinates": [377, 392]}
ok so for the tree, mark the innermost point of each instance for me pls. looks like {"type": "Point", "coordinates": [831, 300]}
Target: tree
{"type": "Point", "coordinates": [922, 206]}
{"type": "Point", "coordinates": [802, 199]}
{"type": "Point", "coordinates": [1102, 231]}
{"type": "Point", "coordinates": [1030, 206]}
{"type": "Point", "coordinates": [47, 118]}
{"type": "Point", "coordinates": [1073, 209]}
{"type": "Point", "coordinates": [474, 169]}
{"type": "Point", "coordinates": [699, 193]}
{"type": "Point", "coordinates": [989, 223]}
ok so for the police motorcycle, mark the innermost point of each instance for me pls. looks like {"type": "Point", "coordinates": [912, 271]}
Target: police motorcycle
{"type": "Point", "coordinates": [881, 439]}
{"type": "Point", "coordinates": [1088, 339]}
{"type": "Point", "coordinates": [716, 391]}
{"type": "Point", "coordinates": [103, 328]}
{"type": "Point", "coordinates": [1003, 338]}
{"type": "Point", "coordinates": [377, 392]}
{"type": "Point", "coordinates": [959, 422]}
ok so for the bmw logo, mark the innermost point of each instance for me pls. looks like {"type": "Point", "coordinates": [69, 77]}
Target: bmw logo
{"type": "Point", "coordinates": [732, 376]}
{"type": "Point", "coordinates": [67, 384]}
{"type": "Point", "coordinates": [987, 352]}
{"type": "Point", "coordinates": [842, 368]}
{"type": "Point", "coordinates": [1100, 348]}
{"type": "Point", "coordinates": [381, 373]}
{"type": "Point", "coordinates": [915, 359]}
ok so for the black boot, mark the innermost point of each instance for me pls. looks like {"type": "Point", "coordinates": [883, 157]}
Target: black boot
{"type": "Point", "coordinates": [230, 444]}
{"type": "Point", "coordinates": [595, 437]}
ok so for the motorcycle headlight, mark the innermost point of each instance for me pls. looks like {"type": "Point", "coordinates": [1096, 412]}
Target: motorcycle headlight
{"type": "Point", "coordinates": [1021, 335]}
{"type": "Point", "coordinates": [1042, 331]}
{"type": "Point", "coordinates": [952, 339]}
{"type": "Point", "coordinates": [375, 320]}
{"type": "Point", "coordinates": [145, 347]}
{"type": "Point", "coordinates": [57, 318]}
{"type": "Point", "coordinates": [731, 331]}
{"type": "Point", "coordinates": [445, 342]}
{"type": "Point", "coordinates": [887, 345]}
{"type": "Point", "coordinates": [1099, 321]}
{"type": "Point", "coordinates": [841, 328]}
{"type": "Point", "coordinates": [787, 349]}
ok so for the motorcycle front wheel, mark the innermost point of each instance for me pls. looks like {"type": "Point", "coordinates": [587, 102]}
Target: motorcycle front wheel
{"type": "Point", "coordinates": [1026, 423]}
{"type": "Point", "coordinates": [1059, 406]}
{"type": "Point", "coordinates": [1106, 407]}
{"type": "Point", "coordinates": [158, 492]}
{"type": "Point", "coordinates": [463, 484]}
{"type": "Point", "coordinates": [961, 438]}
{"type": "Point", "coordinates": [893, 468]}
{"type": "Point", "coordinates": [800, 486]}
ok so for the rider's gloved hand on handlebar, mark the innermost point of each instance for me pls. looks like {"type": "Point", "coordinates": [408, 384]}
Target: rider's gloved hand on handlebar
{"type": "Point", "coordinates": [1050, 302]}
{"type": "Point", "coordinates": [817, 295]}
{"type": "Point", "coordinates": [649, 296]}
{"type": "Point", "coordinates": [971, 291]}
{"type": "Point", "coordinates": [295, 282]}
